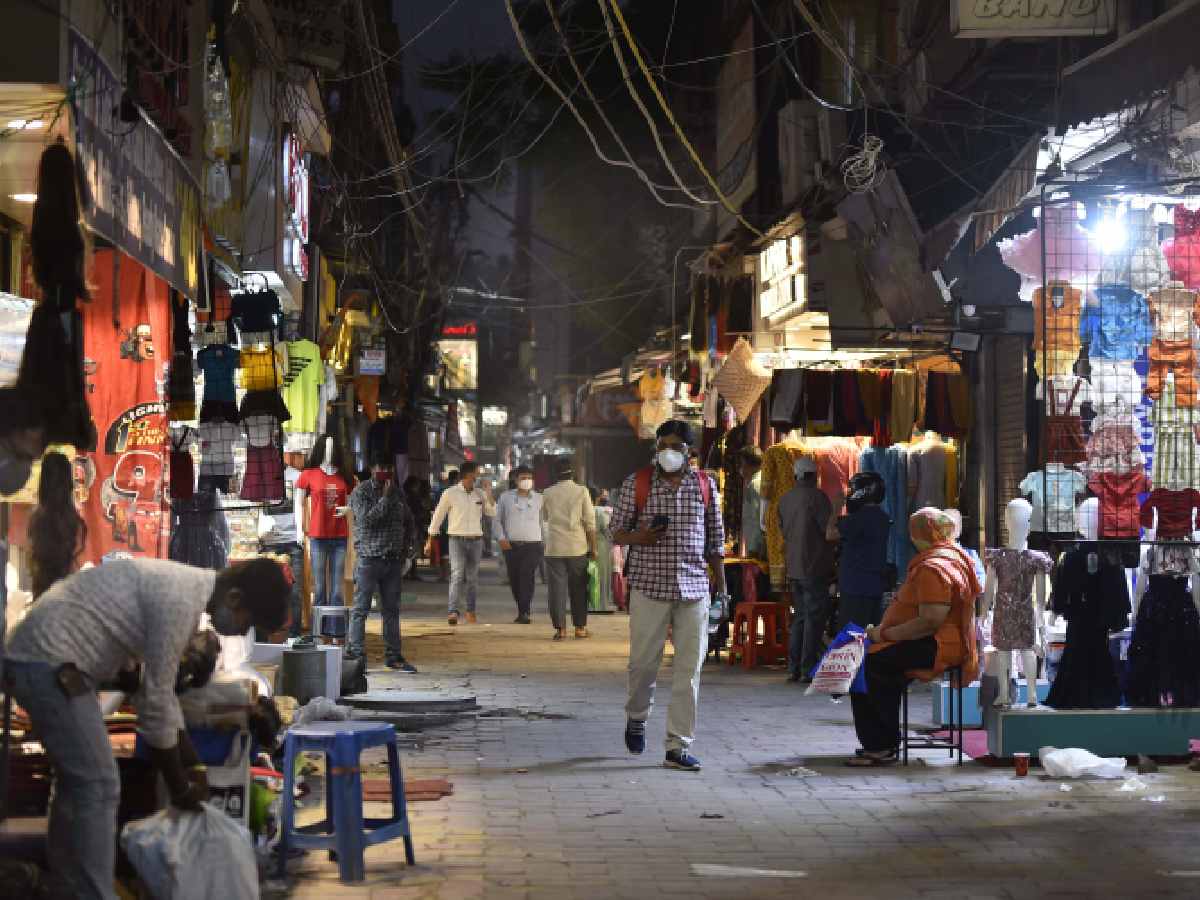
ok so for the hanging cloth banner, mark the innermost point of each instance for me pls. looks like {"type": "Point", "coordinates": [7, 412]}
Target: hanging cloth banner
{"type": "Point", "coordinates": [143, 198]}
{"type": "Point", "coordinates": [125, 506]}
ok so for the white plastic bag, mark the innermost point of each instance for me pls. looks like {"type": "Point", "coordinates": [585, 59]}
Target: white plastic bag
{"type": "Point", "coordinates": [321, 709]}
{"type": "Point", "coordinates": [1075, 763]}
{"type": "Point", "coordinates": [183, 855]}
{"type": "Point", "coordinates": [840, 665]}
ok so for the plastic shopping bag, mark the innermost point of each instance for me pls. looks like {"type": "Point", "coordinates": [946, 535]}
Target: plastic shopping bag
{"type": "Point", "coordinates": [593, 574]}
{"type": "Point", "coordinates": [841, 668]}
{"type": "Point", "coordinates": [183, 855]}
{"type": "Point", "coordinates": [1073, 762]}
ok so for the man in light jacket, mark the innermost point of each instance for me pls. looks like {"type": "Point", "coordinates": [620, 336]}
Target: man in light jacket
{"type": "Point", "coordinates": [463, 507]}
{"type": "Point", "coordinates": [519, 530]}
{"type": "Point", "coordinates": [570, 529]}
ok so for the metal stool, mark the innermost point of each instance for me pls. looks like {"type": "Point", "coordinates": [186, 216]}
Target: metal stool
{"type": "Point", "coordinates": [346, 833]}
{"type": "Point", "coordinates": [330, 621]}
{"type": "Point", "coordinates": [954, 743]}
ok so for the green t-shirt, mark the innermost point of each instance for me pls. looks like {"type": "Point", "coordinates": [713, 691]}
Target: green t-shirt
{"type": "Point", "coordinates": [302, 386]}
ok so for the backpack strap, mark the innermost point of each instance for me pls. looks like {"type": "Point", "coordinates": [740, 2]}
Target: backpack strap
{"type": "Point", "coordinates": [641, 491]}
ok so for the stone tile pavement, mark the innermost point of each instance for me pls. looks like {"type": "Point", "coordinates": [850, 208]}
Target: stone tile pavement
{"type": "Point", "coordinates": [547, 803]}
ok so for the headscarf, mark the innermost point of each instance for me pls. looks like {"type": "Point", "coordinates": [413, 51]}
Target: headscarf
{"type": "Point", "coordinates": [930, 527]}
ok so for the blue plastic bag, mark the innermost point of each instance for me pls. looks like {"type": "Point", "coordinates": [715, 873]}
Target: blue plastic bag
{"type": "Point", "coordinates": [848, 649]}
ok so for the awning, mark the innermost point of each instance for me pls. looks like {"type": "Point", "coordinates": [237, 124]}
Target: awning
{"type": "Point", "coordinates": [1129, 70]}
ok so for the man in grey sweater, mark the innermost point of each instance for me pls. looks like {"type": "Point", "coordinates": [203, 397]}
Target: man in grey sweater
{"type": "Point", "coordinates": [82, 633]}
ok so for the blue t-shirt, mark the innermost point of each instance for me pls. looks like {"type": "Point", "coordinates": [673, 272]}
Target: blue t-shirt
{"type": "Point", "coordinates": [218, 362]}
{"type": "Point", "coordinates": [864, 551]}
{"type": "Point", "coordinates": [1119, 326]}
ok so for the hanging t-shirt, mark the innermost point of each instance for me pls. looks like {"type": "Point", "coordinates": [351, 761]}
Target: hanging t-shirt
{"type": "Point", "coordinates": [256, 312]}
{"type": "Point", "coordinates": [1118, 326]}
{"type": "Point", "coordinates": [261, 370]}
{"type": "Point", "coordinates": [218, 362]}
{"type": "Point", "coordinates": [1053, 490]}
{"type": "Point", "coordinates": [217, 441]}
{"type": "Point", "coordinates": [302, 385]}
{"type": "Point", "coordinates": [1174, 510]}
{"type": "Point", "coordinates": [1120, 515]}
{"type": "Point", "coordinates": [325, 494]}
{"type": "Point", "coordinates": [329, 393]}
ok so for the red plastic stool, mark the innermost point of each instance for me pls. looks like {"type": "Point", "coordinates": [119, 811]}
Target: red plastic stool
{"type": "Point", "coordinates": [759, 635]}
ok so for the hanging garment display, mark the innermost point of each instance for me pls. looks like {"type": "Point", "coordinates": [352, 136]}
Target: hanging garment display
{"type": "Point", "coordinates": [787, 399]}
{"type": "Point", "coordinates": [366, 391]}
{"type": "Point", "coordinates": [1164, 651]}
{"type": "Point", "coordinates": [1014, 624]}
{"type": "Point", "coordinates": [741, 380]}
{"type": "Point", "coordinates": [181, 380]}
{"type": "Point", "coordinates": [1183, 250]}
{"type": "Point", "coordinates": [655, 388]}
{"type": "Point", "coordinates": [183, 476]}
{"type": "Point", "coordinates": [849, 414]}
{"type": "Point", "coordinates": [1117, 326]}
{"type": "Point", "coordinates": [1115, 383]}
{"type": "Point", "coordinates": [263, 481]}
{"type": "Point", "coordinates": [926, 462]}
{"type": "Point", "coordinates": [1113, 445]}
{"type": "Point", "coordinates": [891, 464]}
{"type": "Point", "coordinates": [1056, 328]}
{"type": "Point", "coordinates": [1176, 458]}
{"type": "Point", "coordinates": [261, 369]}
{"type": "Point", "coordinates": [257, 313]}
{"type": "Point", "coordinates": [778, 477]}
{"type": "Point", "coordinates": [218, 440]}
{"type": "Point", "coordinates": [904, 405]}
{"type": "Point", "coordinates": [1053, 491]}
{"type": "Point", "coordinates": [1062, 429]}
{"type": "Point", "coordinates": [302, 386]}
{"type": "Point", "coordinates": [199, 534]}
{"type": "Point", "coordinates": [818, 400]}
{"type": "Point", "coordinates": [1066, 252]}
{"type": "Point", "coordinates": [947, 404]}
{"type": "Point", "coordinates": [218, 363]}
{"type": "Point", "coordinates": [1120, 514]}
{"type": "Point", "coordinates": [1148, 269]}
{"type": "Point", "coordinates": [1091, 593]}
{"type": "Point", "coordinates": [1171, 513]}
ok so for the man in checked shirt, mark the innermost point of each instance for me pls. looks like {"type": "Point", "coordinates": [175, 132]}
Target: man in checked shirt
{"type": "Point", "coordinates": [671, 522]}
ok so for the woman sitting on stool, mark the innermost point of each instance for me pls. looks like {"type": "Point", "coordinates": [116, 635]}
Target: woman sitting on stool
{"type": "Point", "coordinates": [927, 629]}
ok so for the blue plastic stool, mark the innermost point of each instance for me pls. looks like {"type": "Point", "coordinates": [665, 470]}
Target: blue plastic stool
{"type": "Point", "coordinates": [344, 830]}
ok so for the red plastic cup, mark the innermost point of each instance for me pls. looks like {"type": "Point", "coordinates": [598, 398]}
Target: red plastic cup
{"type": "Point", "coordinates": [1021, 764]}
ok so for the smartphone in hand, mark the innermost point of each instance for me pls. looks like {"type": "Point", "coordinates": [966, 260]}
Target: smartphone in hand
{"type": "Point", "coordinates": [660, 523]}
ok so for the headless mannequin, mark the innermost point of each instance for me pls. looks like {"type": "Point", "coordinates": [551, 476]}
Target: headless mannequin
{"type": "Point", "coordinates": [1017, 517]}
{"type": "Point", "coordinates": [300, 496]}
{"type": "Point", "coordinates": [1143, 581]}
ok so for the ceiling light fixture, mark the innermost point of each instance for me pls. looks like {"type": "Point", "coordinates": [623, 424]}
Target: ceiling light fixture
{"type": "Point", "coordinates": [24, 198]}
{"type": "Point", "coordinates": [25, 124]}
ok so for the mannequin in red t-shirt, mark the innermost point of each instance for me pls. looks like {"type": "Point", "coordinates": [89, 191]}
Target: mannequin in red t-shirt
{"type": "Point", "coordinates": [321, 502]}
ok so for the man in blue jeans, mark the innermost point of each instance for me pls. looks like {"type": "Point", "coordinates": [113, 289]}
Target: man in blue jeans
{"type": "Point", "coordinates": [79, 635]}
{"type": "Point", "coordinates": [384, 539]}
{"type": "Point", "coordinates": [804, 514]}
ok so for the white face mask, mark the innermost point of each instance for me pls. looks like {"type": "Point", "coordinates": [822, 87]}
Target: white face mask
{"type": "Point", "coordinates": [525, 484]}
{"type": "Point", "coordinates": [670, 460]}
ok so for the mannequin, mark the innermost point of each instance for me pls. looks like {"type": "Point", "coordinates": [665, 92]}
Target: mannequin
{"type": "Point", "coordinates": [322, 491]}
{"type": "Point", "coordinates": [927, 472]}
{"type": "Point", "coordinates": [1011, 573]}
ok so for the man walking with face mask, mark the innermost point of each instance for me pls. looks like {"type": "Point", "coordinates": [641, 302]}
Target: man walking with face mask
{"type": "Point", "coordinates": [463, 508]}
{"type": "Point", "coordinates": [670, 517]}
{"type": "Point", "coordinates": [519, 530]}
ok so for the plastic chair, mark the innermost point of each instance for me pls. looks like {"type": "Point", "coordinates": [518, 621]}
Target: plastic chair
{"type": "Point", "coordinates": [759, 635]}
{"type": "Point", "coordinates": [927, 742]}
{"type": "Point", "coordinates": [344, 831]}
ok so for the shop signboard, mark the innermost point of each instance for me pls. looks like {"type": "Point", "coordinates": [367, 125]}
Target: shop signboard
{"type": "Point", "coordinates": [460, 363]}
{"type": "Point", "coordinates": [781, 279]}
{"type": "Point", "coordinates": [1031, 18]}
{"type": "Point", "coordinates": [313, 30]}
{"type": "Point", "coordinates": [372, 362]}
{"type": "Point", "coordinates": [143, 198]}
{"type": "Point", "coordinates": [295, 206]}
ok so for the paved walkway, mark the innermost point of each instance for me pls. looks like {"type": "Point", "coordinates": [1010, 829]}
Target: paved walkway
{"type": "Point", "coordinates": [547, 803]}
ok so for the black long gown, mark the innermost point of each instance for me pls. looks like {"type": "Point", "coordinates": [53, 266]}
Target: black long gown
{"type": "Point", "coordinates": [1094, 603]}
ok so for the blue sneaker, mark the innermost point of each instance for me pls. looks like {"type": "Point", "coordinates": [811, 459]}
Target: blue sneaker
{"type": "Point", "coordinates": [635, 736]}
{"type": "Point", "coordinates": [681, 759]}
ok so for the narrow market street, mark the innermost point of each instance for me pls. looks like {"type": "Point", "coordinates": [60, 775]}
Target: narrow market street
{"type": "Point", "coordinates": [547, 803]}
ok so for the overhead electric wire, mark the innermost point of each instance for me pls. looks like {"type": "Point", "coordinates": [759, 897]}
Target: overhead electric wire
{"type": "Point", "coordinates": [627, 162]}
{"type": "Point", "coordinates": [642, 108]}
{"type": "Point", "coordinates": [662, 101]}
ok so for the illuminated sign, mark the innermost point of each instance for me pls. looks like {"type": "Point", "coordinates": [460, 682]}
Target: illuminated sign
{"type": "Point", "coordinates": [295, 194]}
{"type": "Point", "coordinates": [467, 329]}
{"type": "Point", "coordinates": [460, 364]}
{"type": "Point", "coordinates": [1031, 18]}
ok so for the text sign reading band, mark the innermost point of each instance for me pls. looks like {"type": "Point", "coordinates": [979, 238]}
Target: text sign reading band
{"type": "Point", "coordinates": [1031, 18]}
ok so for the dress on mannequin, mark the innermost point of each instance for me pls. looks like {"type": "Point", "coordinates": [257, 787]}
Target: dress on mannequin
{"type": "Point", "coordinates": [1164, 653]}
{"type": "Point", "coordinates": [1092, 595]}
{"type": "Point", "coordinates": [1014, 624]}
